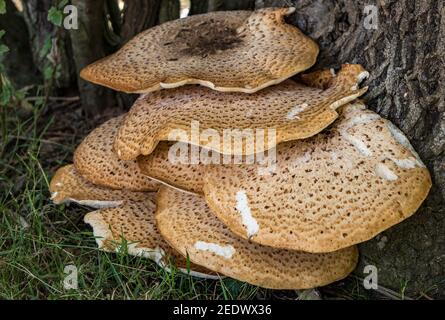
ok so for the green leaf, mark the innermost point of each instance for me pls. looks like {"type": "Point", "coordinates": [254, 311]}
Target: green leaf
{"type": "Point", "coordinates": [47, 45]}
{"type": "Point", "coordinates": [62, 4]}
{"type": "Point", "coordinates": [3, 49]}
{"type": "Point", "coordinates": [2, 32]}
{"type": "Point", "coordinates": [5, 95]}
{"type": "Point", "coordinates": [2, 7]}
{"type": "Point", "coordinates": [55, 16]}
{"type": "Point", "coordinates": [48, 72]}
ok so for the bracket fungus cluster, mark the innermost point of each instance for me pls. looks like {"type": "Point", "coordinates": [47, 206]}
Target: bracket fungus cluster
{"type": "Point", "coordinates": [340, 173]}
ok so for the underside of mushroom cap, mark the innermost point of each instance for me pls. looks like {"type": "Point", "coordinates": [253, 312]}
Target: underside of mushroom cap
{"type": "Point", "coordinates": [240, 51]}
{"type": "Point", "coordinates": [96, 161]}
{"type": "Point", "coordinates": [68, 186]}
{"type": "Point", "coordinates": [338, 188]}
{"type": "Point", "coordinates": [236, 123]}
{"type": "Point", "coordinates": [131, 228]}
{"type": "Point", "coordinates": [187, 224]}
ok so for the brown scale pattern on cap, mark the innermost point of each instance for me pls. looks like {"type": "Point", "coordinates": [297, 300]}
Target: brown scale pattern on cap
{"type": "Point", "coordinates": [68, 186]}
{"type": "Point", "coordinates": [336, 189]}
{"type": "Point", "coordinates": [321, 79]}
{"type": "Point", "coordinates": [96, 161]}
{"type": "Point", "coordinates": [294, 110]}
{"type": "Point", "coordinates": [185, 219]}
{"type": "Point", "coordinates": [133, 224]}
{"type": "Point", "coordinates": [227, 51]}
{"type": "Point", "coordinates": [180, 175]}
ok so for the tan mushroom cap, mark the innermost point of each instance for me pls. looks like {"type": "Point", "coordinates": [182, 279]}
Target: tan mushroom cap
{"type": "Point", "coordinates": [176, 173]}
{"type": "Point", "coordinates": [336, 189]}
{"type": "Point", "coordinates": [240, 51]}
{"type": "Point", "coordinates": [68, 186]}
{"type": "Point", "coordinates": [189, 226]}
{"type": "Point", "coordinates": [133, 224]}
{"type": "Point", "coordinates": [206, 118]}
{"type": "Point", "coordinates": [95, 160]}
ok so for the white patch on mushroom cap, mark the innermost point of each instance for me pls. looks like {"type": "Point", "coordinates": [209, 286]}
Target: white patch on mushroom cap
{"type": "Point", "coordinates": [354, 121]}
{"type": "Point", "coordinates": [101, 229]}
{"type": "Point", "coordinates": [223, 251]}
{"type": "Point", "coordinates": [336, 104]}
{"type": "Point", "coordinates": [409, 163]}
{"type": "Point", "coordinates": [305, 158]}
{"type": "Point", "coordinates": [384, 172]}
{"type": "Point", "coordinates": [290, 10]}
{"type": "Point", "coordinates": [403, 140]}
{"type": "Point", "coordinates": [156, 254]}
{"type": "Point", "coordinates": [362, 76]}
{"type": "Point", "coordinates": [242, 205]}
{"type": "Point", "coordinates": [363, 118]}
{"type": "Point", "coordinates": [353, 107]}
{"type": "Point", "coordinates": [102, 233]}
{"type": "Point", "coordinates": [293, 113]}
{"type": "Point", "coordinates": [358, 144]}
{"type": "Point", "coordinates": [96, 204]}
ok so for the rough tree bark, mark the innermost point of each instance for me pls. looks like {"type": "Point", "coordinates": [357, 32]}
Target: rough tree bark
{"type": "Point", "coordinates": [198, 6]}
{"type": "Point", "coordinates": [138, 16]}
{"type": "Point", "coordinates": [405, 56]}
{"type": "Point", "coordinates": [40, 32]}
{"type": "Point", "coordinates": [169, 10]}
{"type": "Point", "coordinates": [89, 45]}
{"type": "Point", "coordinates": [226, 5]}
{"type": "Point", "coordinates": [19, 63]}
{"type": "Point", "coordinates": [202, 6]}
{"type": "Point", "coordinates": [112, 8]}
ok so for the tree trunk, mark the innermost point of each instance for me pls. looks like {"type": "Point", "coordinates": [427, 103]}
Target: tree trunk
{"type": "Point", "coordinates": [198, 7]}
{"type": "Point", "coordinates": [89, 45]}
{"type": "Point", "coordinates": [41, 33]}
{"type": "Point", "coordinates": [114, 11]}
{"type": "Point", "coordinates": [226, 5]}
{"type": "Point", "coordinates": [169, 10]}
{"type": "Point", "coordinates": [139, 15]}
{"type": "Point", "coordinates": [405, 56]}
{"type": "Point", "coordinates": [203, 6]}
{"type": "Point", "coordinates": [19, 64]}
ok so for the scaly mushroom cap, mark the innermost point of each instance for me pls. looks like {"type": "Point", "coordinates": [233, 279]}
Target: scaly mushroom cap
{"type": "Point", "coordinates": [293, 110]}
{"type": "Point", "coordinates": [177, 173]}
{"type": "Point", "coordinates": [227, 51]}
{"type": "Point", "coordinates": [133, 224]}
{"type": "Point", "coordinates": [338, 188]}
{"type": "Point", "coordinates": [95, 160]}
{"type": "Point", "coordinates": [68, 186]}
{"type": "Point", "coordinates": [188, 225]}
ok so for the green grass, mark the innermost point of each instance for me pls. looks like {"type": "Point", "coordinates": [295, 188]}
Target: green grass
{"type": "Point", "coordinates": [39, 239]}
